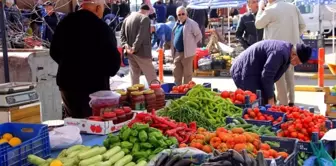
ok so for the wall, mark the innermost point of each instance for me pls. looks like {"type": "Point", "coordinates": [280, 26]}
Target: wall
{"type": "Point", "coordinates": [64, 6]}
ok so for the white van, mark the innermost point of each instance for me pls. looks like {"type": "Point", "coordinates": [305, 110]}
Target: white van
{"type": "Point", "coordinates": [311, 14]}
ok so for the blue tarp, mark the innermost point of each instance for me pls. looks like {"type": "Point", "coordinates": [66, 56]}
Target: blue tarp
{"type": "Point", "coordinates": [314, 2]}
{"type": "Point", "coordinates": [216, 4]}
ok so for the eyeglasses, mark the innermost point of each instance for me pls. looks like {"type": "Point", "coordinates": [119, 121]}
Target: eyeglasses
{"type": "Point", "coordinates": [182, 14]}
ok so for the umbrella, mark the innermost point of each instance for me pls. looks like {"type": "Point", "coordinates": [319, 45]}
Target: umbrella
{"type": "Point", "coordinates": [4, 40]}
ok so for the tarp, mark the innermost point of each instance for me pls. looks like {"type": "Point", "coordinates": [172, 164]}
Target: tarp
{"type": "Point", "coordinates": [216, 4]}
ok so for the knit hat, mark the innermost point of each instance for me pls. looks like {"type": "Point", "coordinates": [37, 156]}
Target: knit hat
{"type": "Point", "coordinates": [49, 3]}
{"type": "Point", "coordinates": [144, 7]}
{"type": "Point", "coordinates": [304, 52]}
{"type": "Point", "coordinates": [171, 18]}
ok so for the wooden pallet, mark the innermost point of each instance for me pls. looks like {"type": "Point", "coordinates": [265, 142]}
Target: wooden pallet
{"type": "Point", "coordinates": [329, 101]}
{"type": "Point", "coordinates": [200, 73]}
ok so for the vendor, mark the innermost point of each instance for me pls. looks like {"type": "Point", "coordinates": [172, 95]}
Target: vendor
{"type": "Point", "coordinates": [262, 64]}
{"type": "Point", "coordinates": [162, 33]}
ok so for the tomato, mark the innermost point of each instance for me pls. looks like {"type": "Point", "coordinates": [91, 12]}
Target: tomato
{"type": "Point", "coordinates": [252, 114]}
{"type": "Point", "coordinates": [240, 97]}
{"type": "Point", "coordinates": [238, 102]}
{"type": "Point", "coordinates": [225, 94]}
{"type": "Point", "coordinates": [256, 110]}
{"type": "Point", "coordinates": [175, 88]}
{"type": "Point", "coordinates": [191, 83]}
{"type": "Point", "coordinates": [239, 91]}
{"type": "Point", "coordinates": [185, 90]}
{"type": "Point", "coordinates": [247, 92]}
{"type": "Point", "coordinates": [175, 91]}
{"type": "Point", "coordinates": [246, 116]}
{"type": "Point", "coordinates": [180, 88]}
{"type": "Point", "coordinates": [253, 98]}
{"type": "Point", "coordinates": [294, 134]}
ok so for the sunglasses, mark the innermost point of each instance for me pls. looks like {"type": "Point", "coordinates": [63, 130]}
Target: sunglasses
{"type": "Point", "coordinates": [182, 14]}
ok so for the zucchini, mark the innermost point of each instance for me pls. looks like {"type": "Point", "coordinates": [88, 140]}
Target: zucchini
{"type": "Point", "coordinates": [32, 159]}
{"type": "Point", "coordinates": [107, 155]}
{"type": "Point", "coordinates": [125, 160]}
{"type": "Point", "coordinates": [236, 122]}
{"type": "Point", "coordinates": [131, 164]}
{"type": "Point", "coordinates": [73, 148]}
{"type": "Point", "coordinates": [90, 153]}
{"type": "Point", "coordinates": [102, 150]}
{"type": "Point", "coordinates": [117, 157]}
{"type": "Point", "coordinates": [92, 160]}
{"type": "Point", "coordinates": [241, 120]}
{"type": "Point", "coordinates": [261, 129]}
{"type": "Point", "coordinates": [142, 163]}
{"type": "Point", "coordinates": [105, 163]}
{"type": "Point", "coordinates": [73, 154]}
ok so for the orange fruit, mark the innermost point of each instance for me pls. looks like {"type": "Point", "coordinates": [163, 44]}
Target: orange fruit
{"type": "Point", "coordinates": [15, 141]}
{"type": "Point", "coordinates": [7, 136]}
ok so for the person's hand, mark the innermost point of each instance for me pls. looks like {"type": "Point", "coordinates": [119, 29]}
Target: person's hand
{"type": "Point", "coordinates": [130, 50]}
{"type": "Point", "coordinates": [261, 5]}
{"type": "Point", "coordinates": [271, 101]}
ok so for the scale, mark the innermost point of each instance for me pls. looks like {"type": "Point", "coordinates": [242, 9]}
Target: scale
{"type": "Point", "coordinates": [19, 102]}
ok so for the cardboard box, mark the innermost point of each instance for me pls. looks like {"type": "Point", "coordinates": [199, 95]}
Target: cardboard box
{"type": "Point", "coordinates": [96, 127]}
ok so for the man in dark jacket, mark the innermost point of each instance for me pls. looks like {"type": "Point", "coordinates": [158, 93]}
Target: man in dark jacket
{"type": "Point", "coordinates": [87, 56]}
{"type": "Point", "coordinates": [262, 64]}
{"type": "Point", "coordinates": [36, 18]}
{"type": "Point", "coordinates": [201, 17]}
{"type": "Point", "coordinates": [51, 20]}
{"type": "Point", "coordinates": [160, 11]}
{"type": "Point", "coordinates": [171, 9]}
{"type": "Point", "coordinates": [246, 33]}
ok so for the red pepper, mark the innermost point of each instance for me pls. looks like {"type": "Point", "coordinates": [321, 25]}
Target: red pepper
{"type": "Point", "coordinates": [181, 124]}
{"type": "Point", "coordinates": [179, 139]}
{"type": "Point", "coordinates": [159, 126]}
{"type": "Point", "coordinates": [193, 126]}
{"type": "Point", "coordinates": [163, 121]}
{"type": "Point", "coordinates": [173, 131]}
{"type": "Point", "coordinates": [186, 138]}
{"type": "Point", "coordinates": [134, 121]}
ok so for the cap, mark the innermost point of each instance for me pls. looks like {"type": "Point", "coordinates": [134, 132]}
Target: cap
{"type": "Point", "coordinates": [304, 52]}
{"type": "Point", "coordinates": [144, 7]}
{"type": "Point", "coordinates": [171, 18]}
{"type": "Point", "coordinates": [48, 3]}
{"type": "Point", "coordinates": [91, 1]}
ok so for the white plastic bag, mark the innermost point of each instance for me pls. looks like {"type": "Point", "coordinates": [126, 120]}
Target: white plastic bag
{"type": "Point", "coordinates": [65, 137]}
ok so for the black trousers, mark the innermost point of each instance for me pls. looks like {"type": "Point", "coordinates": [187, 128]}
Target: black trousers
{"type": "Point", "coordinates": [76, 105]}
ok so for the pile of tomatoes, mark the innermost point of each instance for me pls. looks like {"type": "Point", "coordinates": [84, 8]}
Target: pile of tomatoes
{"type": "Point", "coordinates": [238, 96]}
{"type": "Point", "coordinates": [183, 88]}
{"type": "Point", "coordinates": [303, 123]}
{"type": "Point", "coordinates": [255, 114]}
{"type": "Point", "coordinates": [236, 139]}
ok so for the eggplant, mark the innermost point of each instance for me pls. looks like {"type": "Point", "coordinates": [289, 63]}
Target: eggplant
{"type": "Point", "coordinates": [237, 157]}
{"type": "Point", "coordinates": [219, 163]}
{"type": "Point", "coordinates": [260, 159]}
{"type": "Point", "coordinates": [248, 160]}
{"type": "Point", "coordinates": [162, 159]}
{"type": "Point", "coordinates": [183, 162]}
{"type": "Point", "coordinates": [221, 157]}
{"type": "Point", "coordinates": [216, 152]}
{"type": "Point", "coordinates": [173, 160]}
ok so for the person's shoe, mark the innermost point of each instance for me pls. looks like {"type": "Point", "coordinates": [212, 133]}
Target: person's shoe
{"type": "Point", "coordinates": [291, 104]}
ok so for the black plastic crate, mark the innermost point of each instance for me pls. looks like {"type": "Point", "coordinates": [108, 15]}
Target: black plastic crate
{"type": "Point", "coordinates": [218, 64]}
{"type": "Point", "coordinates": [313, 43]}
{"type": "Point", "coordinates": [307, 67]}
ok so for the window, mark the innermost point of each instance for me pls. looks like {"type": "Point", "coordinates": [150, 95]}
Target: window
{"type": "Point", "coordinates": [305, 8]}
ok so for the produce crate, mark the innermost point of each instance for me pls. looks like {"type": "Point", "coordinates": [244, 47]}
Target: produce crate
{"type": "Point", "coordinates": [275, 115]}
{"type": "Point", "coordinates": [35, 140]}
{"type": "Point", "coordinates": [307, 67]}
{"type": "Point", "coordinates": [167, 87]}
{"type": "Point", "coordinates": [247, 103]}
{"type": "Point", "coordinates": [287, 145]}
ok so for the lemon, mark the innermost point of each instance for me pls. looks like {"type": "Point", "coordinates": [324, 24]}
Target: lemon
{"type": "Point", "coordinates": [56, 163]}
{"type": "Point", "coordinates": [7, 136]}
{"type": "Point", "coordinates": [3, 141]}
{"type": "Point", "coordinates": [15, 141]}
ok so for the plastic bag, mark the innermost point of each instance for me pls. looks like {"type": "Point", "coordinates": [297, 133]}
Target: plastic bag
{"type": "Point", "coordinates": [322, 156]}
{"type": "Point", "coordinates": [65, 137]}
{"type": "Point", "coordinates": [197, 156]}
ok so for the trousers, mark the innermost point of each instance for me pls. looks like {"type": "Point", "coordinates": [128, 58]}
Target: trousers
{"type": "Point", "coordinates": [182, 69]}
{"type": "Point", "coordinates": [138, 64]}
{"type": "Point", "coordinates": [285, 87]}
{"type": "Point", "coordinates": [76, 104]}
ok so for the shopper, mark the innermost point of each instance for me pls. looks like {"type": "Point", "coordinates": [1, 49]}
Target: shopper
{"type": "Point", "coordinates": [185, 36]}
{"type": "Point", "coordinates": [282, 21]}
{"type": "Point", "coordinates": [87, 56]}
{"type": "Point", "coordinates": [262, 64]}
{"type": "Point", "coordinates": [51, 20]}
{"type": "Point", "coordinates": [171, 9]}
{"type": "Point", "coordinates": [171, 22]}
{"type": "Point", "coordinates": [160, 11]}
{"type": "Point", "coordinates": [246, 33]}
{"type": "Point", "coordinates": [201, 17]}
{"type": "Point", "coordinates": [135, 37]}
{"type": "Point", "coordinates": [161, 32]}
{"type": "Point", "coordinates": [36, 17]}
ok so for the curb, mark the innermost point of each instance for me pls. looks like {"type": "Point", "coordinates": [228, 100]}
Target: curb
{"type": "Point", "coordinates": [309, 88]}
{"type": "Point", "coordinates": [315, 76]}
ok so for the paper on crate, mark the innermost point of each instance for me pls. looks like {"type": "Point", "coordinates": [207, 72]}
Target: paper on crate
{"type": "Point", "coordinates": [330, 135]}
{"type": "Point", "coordinates": [95, 127]}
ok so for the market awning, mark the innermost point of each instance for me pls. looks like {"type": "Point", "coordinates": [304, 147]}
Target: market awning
{"type": "Point", "coordinates": [216, 4]}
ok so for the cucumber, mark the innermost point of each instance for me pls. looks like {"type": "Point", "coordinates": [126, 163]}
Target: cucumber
{"type": "Point", "coordinates": [90, 153]}
{"type": "Point", "coordinates": [117, 157]}
{"type": "Point", "coordinates": [261, 129]}
{"type": "Point", "coordinates": [107, 155]}
{"type": "Point", "coordinates": [235, 121]}
{"type": "Point", "coordinates": [105, 163]}
{"type": "Point", "coordinates": [241, 120]}
{"type": "Point", "coordinates": [35, 160]}
{"type": "Point", "coordinates": [245, 126]}
{"type": "Point", "coordinates": [125, 160]}
{"type": "Point", "coordinates": [73, 148]}
{"type": "Point", "coordinates": [70, 163]}
{"type": "Point", "coordinates": [102, 150]}
{"type": "Point", "coordinates": [131, 164]}
{"type": "Point", "coordinates": [74, 153]}
{"type": "Point", "coordinates": [142, 163]}
{"type": "Point", "coordinates": [92, 160]}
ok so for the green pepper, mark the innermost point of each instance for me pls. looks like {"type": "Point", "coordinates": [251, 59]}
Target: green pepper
{"type": "Point", "coordinates": [126, 134]}
{"type": "Point", "coordinates": [169, 142]}
{"type": "Point", "coordinates": [152, 129]}
{"type": "Point", "coordinates": [158, 135]}
{"type": "Point", "coordinates": [141, 159]}
{"type": "Point", "coordinates": [113, 139]}
{"type": "Point", "coordinates": [146, 145]}
{"type": "Point", "coordinates": [126, 151]}
{"type": "Point", "coordinates": [151, 156]}
{"type": "Point", "coordinates": [162, 143]}
{"type": "Point", "coordinates": [114, 145]}
{"type": "Point", "coordinates": [143, 136]}
{"type": "Point", "coordinates": [153, 140]}
{"type": "Point", "coordinates": [149, 151]}
{"type": "Point", "coordinates": [133, 139]}
{"type": "Point", "coordinates": [136, 148]}
{"type": "Point", "coordinates": [134, 133]}
{"type": "Point", "coordinates": [139, 126]}
{"type": "Point", "coordinates": [140, 154]}
{"type": "Point", "coordinates": [126, 144]}
{"type": "Point", "coordinates": [106, 143]}
{"type": "Point", "coordinates": [157, 150]}
{"type": "Point", "coordinates": [174, 140]}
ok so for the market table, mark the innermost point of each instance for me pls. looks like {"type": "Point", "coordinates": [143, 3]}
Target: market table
{"type": "Point", "coordinates": [88, 140]}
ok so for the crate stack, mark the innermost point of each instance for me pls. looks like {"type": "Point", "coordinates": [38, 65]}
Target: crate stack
{"type": "Point", "coordinates": [330, 101]}
{"type": "Point", "coordinates": [312, 64]}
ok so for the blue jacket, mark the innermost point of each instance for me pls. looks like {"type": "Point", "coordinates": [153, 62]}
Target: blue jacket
{"type": "Point", "coordinates": [52, 22]}
{"type": "Point", "coordinates": [261, 65]}
{"type": "Point", "coordinates": [160, 11]}
{"type": "Point", "coordinates": [162, 33]}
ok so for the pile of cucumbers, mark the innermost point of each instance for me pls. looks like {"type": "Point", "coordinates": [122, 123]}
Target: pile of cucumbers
{"type": "Point", "coordinates": [302, 156]}
{"type": "Point", "coordinates": [239, 122]}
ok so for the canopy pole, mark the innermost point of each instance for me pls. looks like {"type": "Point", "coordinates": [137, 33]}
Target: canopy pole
{"type": "Point", "coordinates": [4, 40]}
{"type": "Point", "coordinates": [333, 34]}
{"type": "Point", "coordinates": [229, 34]}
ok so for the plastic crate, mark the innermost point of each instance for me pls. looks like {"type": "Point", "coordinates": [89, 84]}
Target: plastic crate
{"type": "Point", "coordinates": [275, 115]}
{"type": "Point", "coordinates": [35, 140]}
{"type": "Point", "coordinates": [167, 87]}
{"type": "Point", "coordinates": [288, 145]}
{"type": "Point", "coordinates": [314, 55]}
{"type": "Point", "coordinates": [313, 43]}
{"type": "Point", "coordinates": [247, 103]}
{"type": "Point", "coordinates": [307, 67]}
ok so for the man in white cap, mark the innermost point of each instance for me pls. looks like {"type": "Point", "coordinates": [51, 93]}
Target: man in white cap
{"type": "Point", "coordinates": [85, 49]}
